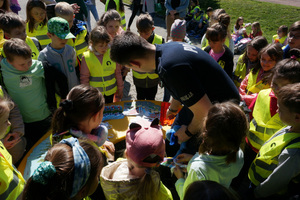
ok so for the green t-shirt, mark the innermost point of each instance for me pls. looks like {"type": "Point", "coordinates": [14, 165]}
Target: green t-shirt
{"type": "Point", "coordinates": [27, 89]}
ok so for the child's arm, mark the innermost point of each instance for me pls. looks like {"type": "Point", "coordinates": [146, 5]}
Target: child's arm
{"type": "Point", "coordinates": [288, 167]}
{"type": "Point", "coordinates": [84, 73]}
{"type": "Point", "coordinates": [182, 184]}
{"type": "Point", "coordinates": [119, 79]}
{"type": "Point", "coordinates": [15, 118]}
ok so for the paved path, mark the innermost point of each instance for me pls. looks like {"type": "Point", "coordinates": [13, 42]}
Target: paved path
{"type": "Point", "coordinates": [284, 2]}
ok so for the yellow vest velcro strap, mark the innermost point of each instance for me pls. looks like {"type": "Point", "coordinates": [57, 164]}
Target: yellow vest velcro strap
{"type": "Point", "coordinates": [108, 87]}
{"type": "Point", "coordinates": [257, 176]}
{"type": "Point", "coordinates": [256, 139]}
{"type": "Point", "coordinates": [123, 17]}
{"type": "Point", "coordinates": [12, 185]}
{"type": "Point", "coordinates": [265, 166]}
{"type": "Point", "coordinates": [42, 37]}
{"type": "Point", "coordinates": [101, 79]}
{"type": "Point", "coordinates": [81, 46]}
{"type": "Point", "coordinates": [269, 131]}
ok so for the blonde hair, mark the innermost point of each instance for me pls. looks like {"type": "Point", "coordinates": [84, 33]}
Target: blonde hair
{"type": "Point", "coordinates": [63, 9]}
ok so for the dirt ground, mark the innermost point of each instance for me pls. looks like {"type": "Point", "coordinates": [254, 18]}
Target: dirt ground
{"type": "Point", "coordinates": [284, 2]}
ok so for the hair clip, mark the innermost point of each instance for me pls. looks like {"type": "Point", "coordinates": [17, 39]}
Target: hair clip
{"type": "Point", "coordinates": [67, 105]}
{"type": "Point", "coordinates": [44, 172]}
{"type": "Point", "coordinates": [294, 57]}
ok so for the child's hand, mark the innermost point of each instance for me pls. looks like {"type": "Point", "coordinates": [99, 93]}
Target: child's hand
{"type": "Point", "coordinates": [184, 158]}
{"type": "Point", "coordinates": [75, 7]}
{"type": "Point", "coordinates": [109, 148]}
{"type": "Point", "coordinates": [178, 172]}
{"type": "Point", "coordinates": [10, 140]}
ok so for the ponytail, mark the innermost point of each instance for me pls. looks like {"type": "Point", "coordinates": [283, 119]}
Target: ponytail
{"type": "Point", "coordinates": [149, 185]}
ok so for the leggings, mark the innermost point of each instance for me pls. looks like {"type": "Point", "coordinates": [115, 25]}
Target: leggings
{"type": "Point", "coordinates": [136, 7]}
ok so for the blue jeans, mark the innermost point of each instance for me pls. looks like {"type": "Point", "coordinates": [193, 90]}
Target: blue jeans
{"type": "Point", "coordinates": [91, 9]}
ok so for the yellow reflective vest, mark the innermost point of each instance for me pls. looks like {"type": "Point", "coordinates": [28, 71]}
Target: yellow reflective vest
{"type": "Point", "coordinates": [12, 182]}
{"type": "Point", "coordinates": [35, 52]}
{"type": "Point", "coordinates": [41, 34]}
{"type": "Point", "coordinates": [253, 86]}
{"type": "Point", "coordinates": [263, 125]}
{"type": "Point", "coordinates": [2, 40]}
{"type": "Point", "coordinates": [142, 75]}
{"type": "Point", "coordinates": [266, 160]}
{"type": "Point", "coordinates": [240, 71]}
{"type": "Point", "coordinates": [102, 76]}
{"type": "Point", "coordinates": [122, 14]}
{"type": "Point", "coordinates": [79, 44]}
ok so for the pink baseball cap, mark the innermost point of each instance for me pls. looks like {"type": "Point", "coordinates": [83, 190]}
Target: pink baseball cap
{"type": "Point", "coordinates": [145, 144]}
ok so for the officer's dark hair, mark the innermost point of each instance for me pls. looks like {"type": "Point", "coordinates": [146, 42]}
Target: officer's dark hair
{"type": "Point", "coordinates": [224, 131]}
{"type": "Point", "coordinates": [128, 46]}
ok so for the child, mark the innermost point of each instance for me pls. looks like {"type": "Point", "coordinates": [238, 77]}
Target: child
{"type": "Point", "coordinates": [259, 77]}
{"type": "Point", "coordinates": [293, 39]}
{"type": "Point", "coordinates": [239, 31]}
{"type": "Point", "coordinates": [119, 7]}
{"type": "Point", "coordinates": [249, 59]}
{"type": "Point", "coordinates": [77, 28]}
{"type": "Point", "coordinates": [15, 27]}
{"type": "Point", "coordinates": [111, 20]}
{"type": "Point", "coordinates": [178, 32]}
{"type": "Point", "coordinates": [216, 36]}
{"type": "Point", "coordinates": [194, 4]}
{"type": "Point", "coordinates": [265, 120]}
{"type": "Point", "coordinates": [98, 70]}
{"type": "Point", "coordinates": [37, 21]}
{"type": "Point", "coordinates": [220, 16]}
{"type": "Point", "coordinates": [146, 83]}
{"type": "Point", "coordinates": [70, 171]}
{"type": "Point", "coordinates": [80, 115]}
{"type": "Point", "coordinates": [57, 53]}
{"type": "Point", "coordinates": [24, 80]}
{"type": "Point", "coordinates": [134, 177]}
{"type": "Point", "coordinates": [277, 162]}
{"type": "Point", "coordinates": [208, 190]}
{"type": "Point", "coordinates": [193, 26]}
{"type": "Point", "coordinates": [12, 181]}
{"type": "Point", "coordinates": [256, 30]}
{"type": "Point", "coordinates": [281, 36]}
{"type": "Point", "coordinates": [205, 22]}
{"type": "Point", "coordinates": [220, 157]}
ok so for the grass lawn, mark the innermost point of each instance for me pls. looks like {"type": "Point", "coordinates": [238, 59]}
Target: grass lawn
{"type": "Point", "coordinates": [269, 15]}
